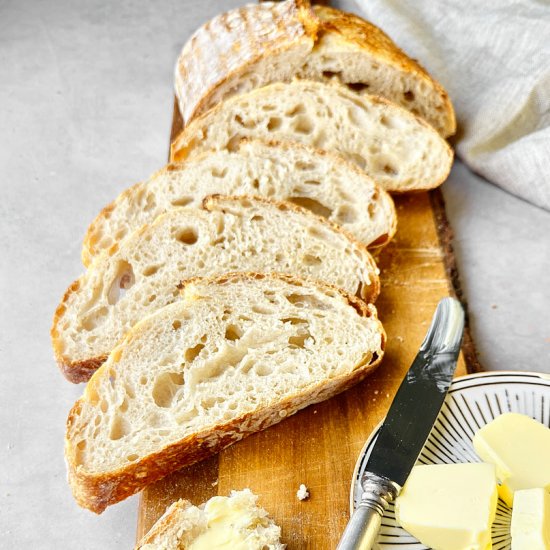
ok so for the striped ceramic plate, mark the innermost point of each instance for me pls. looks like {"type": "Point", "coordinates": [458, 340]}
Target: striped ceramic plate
{"type": "Point", "coordinates": [472, 402]}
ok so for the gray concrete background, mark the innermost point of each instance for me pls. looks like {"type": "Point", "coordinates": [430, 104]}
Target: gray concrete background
{"type": "Point", "coordinates": [85, 102]}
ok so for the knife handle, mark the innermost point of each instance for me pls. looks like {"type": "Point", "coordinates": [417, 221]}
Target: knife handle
{"type": "Point", "coordinates": [362, 529]}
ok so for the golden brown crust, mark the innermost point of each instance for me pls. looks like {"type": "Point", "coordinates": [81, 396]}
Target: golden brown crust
{"type": "Point", "coordinates": [367, 36]}
{"type": "Point", "coordinates": [96, 491]}
{"type": "Point", "coordinates": [234, 41]}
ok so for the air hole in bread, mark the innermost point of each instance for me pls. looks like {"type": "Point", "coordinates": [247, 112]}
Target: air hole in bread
{"type": "Point", "coordinates": [143, 380]}
{"type": "Point", "coordinates": [408, 95]}
{"type": "Point", "coordinates": [124, 280]}
{"type": "Point", "coordinates": [261, 310]}
{"type": "Point", "coordinates": [192, 353]}
{"type": "Point", "coordinates": [346, 214]}
{"type": "Point", "coordinates": [274, 123]}
{"type": "Point", "coordinates": [257, 218]}
{"type": "Point", "coordinates": [263, 370]}
{"type": "Point", "coordinates": [219, 173]}
{"type": "Point", "coordinates": [165, 388]}
{"type": "Point", "coordinates": [123, 406]}
{"type": "Point", "coordinates": [305, 301]}
{"type": "Point", "coordinates": [303, 125]}
{"type": "Point", "coordinates": [233, 143]}
{"type": "Point", "coordinates": [296, 110]}
{"type": "Point", "coordinates": [309, 259]}
{"type": "Point", "coordinates": [319, 233]}
{"type": "Point", "coordinates": [151, 270]}
{"type": "Point", "coordinates": [233, 333]}
{"type": "Point", "coordinates": [320, 140]}
{"type": "Point", "coordinates": [255, 183]}
{"type": "Point", "coordinates": [176, 325]}
{"type": "Point", "coordinates": [332, 74]}
{"type": "Point", "coordinates": [299, 340]}
{"type": "Point", "coordinates": [187, 236]}
{"type": "Point", "coordinates": [295, 321]}
{"type": "Point", "coordinates": [371, 209]}
{"type": "Point", "coordinates": [305, 166]}
{"type": "Point", "coordinates": [312, 205]}
{"type": "Point", "coordinates": [390, 169]}
{"type": "Point", "coordinates": [119, 428]}
{"type": "Point", "coordinates": [81, 445]}
{"type": "Point", "coordinates": [132, 457]}
{"type": "Point", "coordinates": [357, 87]}
{"type": "Point", "coordinates": [94, 319]}
{"type": "Point", "coordinates": [152, 298]}
{"type": "Point", "coordinates": [182, 201]}
{"type": "Point", "coordinates": [358, 159]}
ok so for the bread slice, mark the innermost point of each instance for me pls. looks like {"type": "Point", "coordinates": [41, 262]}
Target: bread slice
{"type": "Point", "coordinates": [324, 183]}
{"type": "Point", "coordinates": [237, 518]}
{"type": "Point", "coordinates": [232, 356]}
{"type": "Point", "coordinates": [142, 273]}
{"type": "Point", "coordinates": [260, 44]}
{"type": "Point", "coordinates": [397, 149]}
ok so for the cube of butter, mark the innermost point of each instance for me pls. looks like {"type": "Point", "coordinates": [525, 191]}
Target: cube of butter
{"type": "Point", "coordinates": [449, 506]}
{"type": "Point", "coordinates": [519, 447]}
{"type": "Point", "coordinates": [531, 520]}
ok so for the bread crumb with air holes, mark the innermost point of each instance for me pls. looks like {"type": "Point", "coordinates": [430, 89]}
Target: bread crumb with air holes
{"type": "Point", "coordinates": [302, 493]}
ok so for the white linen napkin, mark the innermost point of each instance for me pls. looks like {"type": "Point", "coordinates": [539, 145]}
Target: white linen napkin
{"type": "Point", "coordinates": [494, 60]}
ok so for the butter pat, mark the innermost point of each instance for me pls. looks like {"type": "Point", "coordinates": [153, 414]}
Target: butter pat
{"type": "Point", "coordinates": [519, 447]}
{"type": "Point", "coordinates": [449, 506]}
{"type": "Point", "coordinates": [531, 520]}
{"type": "Point", "coordinates": [230, 524]}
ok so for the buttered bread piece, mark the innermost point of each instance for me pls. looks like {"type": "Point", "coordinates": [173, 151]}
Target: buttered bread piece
{"type": "Point", "coordinates": [531, 520]}
{"type": "Point", "coordinates": [233, 523]}
{"type": "Point", "coordinates": [449, 506]}
{"type": "Point", "coordinates": [519, 447]}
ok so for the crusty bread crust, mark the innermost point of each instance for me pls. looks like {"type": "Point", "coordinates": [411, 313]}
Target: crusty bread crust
{"type": "Point", "coordinates": [374, 40]}
{"type": "Point", "coordinates": [233, 42]}
{"type": "Point", "coordinates": [219, 58]}
{"type": "Point", "coordinates": [96, 491]}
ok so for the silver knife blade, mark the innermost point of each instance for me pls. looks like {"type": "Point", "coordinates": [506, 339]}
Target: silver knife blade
{"type": "Point", "coordinates": [420, 396]}
{"type": "Point", "coordinates": [410, 419]}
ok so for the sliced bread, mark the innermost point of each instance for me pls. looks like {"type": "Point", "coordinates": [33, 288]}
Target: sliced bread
{"type": "Point", "coordinates": [142, 273]}
{"type": "Point", "coordinates": [397, 149]}
{"type": "Point", "coordinates": [260, 44]}
{"type": "Point", "coordinates": [237, 519]}
{"type": "Point", "coordinates": [325, 183]}
{"type": "Point", "coordinates": [232, 356]}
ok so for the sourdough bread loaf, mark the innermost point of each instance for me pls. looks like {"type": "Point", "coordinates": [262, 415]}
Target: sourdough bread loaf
{"type": "Point", "coordinates": [324, 183]}
{"type": "Point", "coordinates": [230, 357]}
{"type": "Point", "coordinates": [256, 45]}
{"type": "Point", "coordinates": [237, 519]}
{"type": "Point", "coordinates": [141, 274]}
{"type": "Point", "coordinates": [397, 149]}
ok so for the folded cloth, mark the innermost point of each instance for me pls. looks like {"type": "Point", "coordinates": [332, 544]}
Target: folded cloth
{"type": "Point", "coordinates": [494, 60]}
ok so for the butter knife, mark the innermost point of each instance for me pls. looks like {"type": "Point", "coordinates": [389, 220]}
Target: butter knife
{"type": "Point", "coordinates": [408, 423]}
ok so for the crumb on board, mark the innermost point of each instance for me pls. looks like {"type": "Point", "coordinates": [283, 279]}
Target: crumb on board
{"type": "Point", "coordinates": [214, 483]}
{"type": "Point", "coordinates": [302, 493]}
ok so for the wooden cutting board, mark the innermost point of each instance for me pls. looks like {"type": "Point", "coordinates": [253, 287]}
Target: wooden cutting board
{"type": "Point", "coordinates": [320, 445]}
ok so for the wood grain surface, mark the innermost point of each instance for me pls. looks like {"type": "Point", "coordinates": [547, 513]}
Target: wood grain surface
{"type": "Point", "coordinates": [320, 445]}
